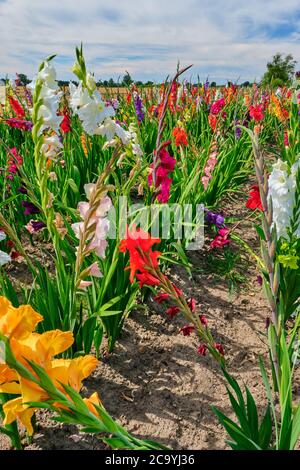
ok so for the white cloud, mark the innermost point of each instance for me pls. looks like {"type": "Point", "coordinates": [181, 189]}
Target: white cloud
{"type": "Point", "coordinates": [223, 39]}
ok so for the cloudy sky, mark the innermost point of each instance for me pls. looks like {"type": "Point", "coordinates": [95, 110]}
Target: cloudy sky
{"type": "Point", "coordinates": [224, 39]}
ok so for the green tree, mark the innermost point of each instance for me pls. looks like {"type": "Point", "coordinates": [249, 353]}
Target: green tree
{"type": "Point", "coordinates": [127, 80]}
{"type": "Point", "coordinates": [111, 83]}
{"type": "Point", "coordinates": [280, 71]}
{"type": "Point", "coordinates": [24, 80]}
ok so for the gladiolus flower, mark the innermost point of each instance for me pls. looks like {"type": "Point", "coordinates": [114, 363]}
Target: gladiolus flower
{"type": "Point", "coordinates": [17, 108]}
{"type": "Point", "coordinates": [217, 106]}
{"type": "Point", "coordinates": [212, 120]}
{"type": "Point", "coordinates": [177, 290]}
{"type": "Point", "coordinates": [19, 124]}
{"type": "Point", "coordinates": [186, 330]}
{"type": "Point", "coordinates": [212, 218]}
{"type": "Point", "coordinates": [219, 348]}
{"type": "Point", "coordinates": [254, 201]}
{"type": "Point", "coordinates": [165, 167]}
{"type": "Point", "coordinates": [202, 349]}
{"type": "Point", "coordinates": [192, 304]}
{"type": "Point", "coordinates": [34, 226]}
{"type": "Point", "coordinates": [92, 401]}
{"type": "Point", "coordinates": [66, 123]}
{"type": "Point", "coordinates": [221, 239]}
{"type": "Point", "coordinates": [14, 409]}
{"type": "Point", "coordinates": [256, 112]}
{"type": "Point", "coordinates": [29, 208]}
{"type": "Point", "coordinates": [180, 137]}
{"type": "Point", "coordinates": [172, 311]}
{"type": "Point", "coordinates": [147, 279]}
{"type": "Point", "coordinates": [15, 254]}
{"type": "Point", "coordinates": [162, 297]}
{"type": "Point", "coordinates": [203, 320]}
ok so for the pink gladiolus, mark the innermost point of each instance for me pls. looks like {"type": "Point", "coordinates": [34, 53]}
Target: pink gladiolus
{"type": "Point", "coordinates": [84, 284]}
{"type": "Point", "coordinates": [217, 106]}
{"type": "Point", "coordinates": [162, 180]}
{"type": "Point", "coordinates": [221, 239]}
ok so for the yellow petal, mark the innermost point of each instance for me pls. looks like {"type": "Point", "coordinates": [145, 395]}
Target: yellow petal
{"type": "Point", "coordinates": [79, 369]}
{"type": "Point", "coordinates": [18, 322]}
{"type": "Point", "coordinates": [72, 371]}
{"type": "Point", "coordinates": [8, 380]}
{"type": "Point", "coordinates": [5, 305]}
{"type": "Point", "coordinates": [14, 409]}
{"type": "Point", "coordinates": [91, 401]}
{"type": "Point", "coordinates": [31, 391]}
{"type": "Point", "coordinates": [54, 342]}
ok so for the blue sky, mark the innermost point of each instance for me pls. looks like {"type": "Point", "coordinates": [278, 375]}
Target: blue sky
{"type": "Point", "coordinates": [224, 39]}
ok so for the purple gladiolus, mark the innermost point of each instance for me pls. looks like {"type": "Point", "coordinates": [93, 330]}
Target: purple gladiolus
{"type": "Point", "coordinates": [29, 208]}
{"type": "Point", "coordinates": [22, 190]}
{"type": "Point", "coordinates": [216, 219]}
{"type": "Point", "coordinates": [19, 124]}
{"type": "Point", "coordinates": [138, 107]}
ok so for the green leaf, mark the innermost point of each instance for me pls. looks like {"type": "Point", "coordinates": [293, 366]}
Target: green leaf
{"type": "Point", "coordinates": [265, 430]}
{"type": "Point", "coordinates": [252, 415]}
{"type": "Point", "coordinates": [295, 428]}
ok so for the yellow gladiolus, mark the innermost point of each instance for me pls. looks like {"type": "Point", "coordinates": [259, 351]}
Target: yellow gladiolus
{"type": "Point", "coordinates": [91, 401]}
{"type": "Point", "coordinates": [18, 325]}
{"type": "Point", "coordinates": [17, 322]}
{"type": "Point", "coordinates": [14, 409]}
{"type": "Point", "coordinates": [9, 380]}
{"type": "Point", "coordinates": [72, 371]}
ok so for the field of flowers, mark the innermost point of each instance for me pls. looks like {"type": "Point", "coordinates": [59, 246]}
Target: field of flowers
{"type": "Point", "coordinates": [149, 265]}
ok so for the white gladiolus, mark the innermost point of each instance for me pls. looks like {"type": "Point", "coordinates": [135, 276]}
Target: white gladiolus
{"type": "Point", "coordinates": [110, 129]}
{"type": "Point", "coordinates": [282, 186]}
{"type": "Point", "coordinates": [4, 257]}
{"type": "Point", "coordinates": [90, 81]}
{"type": "Point", "coordinates": [91, 110]}
{"type": "Point", "coordinates": [136, 149]}
{"type": "Point", "coordinates": [50, 97]}
{"type": "Point", "coordinates": [51, 146]}
{"type": "Point", "coordinates": [48, 76]}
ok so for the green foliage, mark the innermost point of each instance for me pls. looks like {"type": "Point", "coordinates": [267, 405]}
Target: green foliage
{"type": "Point", "coordinates": [280, 71]}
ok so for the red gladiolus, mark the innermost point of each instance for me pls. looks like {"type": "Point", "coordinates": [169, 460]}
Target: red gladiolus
{"type": "Point", "coordinates": [177, 290]}
{"type": "Point", "coordinates": [186, 330]}
{"type": "Point", "coordinates": [172, 311]}
{"type": "Point", "coordinates": [14, 254]}
{"type": "Point", "coordinates": [139, 245]}
{"type": "Point", "coordinates": [219, 348]}
{"type": "Point", "coordinates": [128, 98]}
{"type": "Point", "coordinates": [192, 304]}
{"type": "Point", "coordinates": [66, 123]}
{"type": "Point", "coordinates": [162, 297]}
{"type": "Point", "coordinates": [254, 201]}
{"type": "Point", "coordinates": [17, 108]}
{"type": "Point", "coordinates": [147, 279]}
{"type": "Point", "coordinates": [202, 350]}
{"type": "Point", "coordinates": [212, 121]}
{"type": "Point", "coordinates": [180, 137]}
{"type": "Point", "coordinates": [286, 139]}
{"type": "Point", "coordinates": [256, 112]}
{"type": "Point", "coordinates": [203, 320]}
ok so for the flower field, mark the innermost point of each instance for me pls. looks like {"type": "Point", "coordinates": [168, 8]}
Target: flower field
{"type": "Point", "coordinates": [149, 265]}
